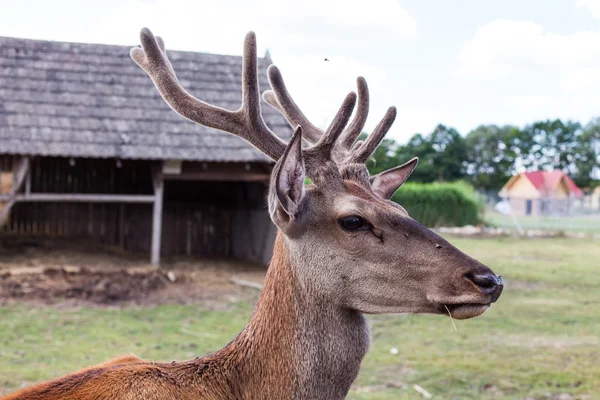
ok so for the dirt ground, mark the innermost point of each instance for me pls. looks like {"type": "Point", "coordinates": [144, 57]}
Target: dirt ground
{"type": "Point", "coordinates": [72, 274]}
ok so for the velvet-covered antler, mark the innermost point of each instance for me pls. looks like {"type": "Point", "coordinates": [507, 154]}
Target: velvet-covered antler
{"type": "Point", "coordinates": [345, 150]}
{"type": "Point", "coordinates": [335, 143]}
{"type": "Point", "coordinates": [246, 122]}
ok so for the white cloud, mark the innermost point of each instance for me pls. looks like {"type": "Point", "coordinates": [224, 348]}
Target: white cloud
{"type": "Point", "coordinates": [319, 86]}
{"type": "Point", "coordinates": [592, 5]}
{"type": "Point", "coordinates": [381, 13]}
{"type": "Point", "coordinates": [185, 25]}
{"type": "Point", "coordinates": [207, 25]}
{"type": "Point", "coordinates": [583, 80]}
{"type": "Point", "coordinates": [299, 36]}
{"type": "Point", "coordinates": [412, 120]}
{"type": "Point", "coordinates": [530, 101]}
{"type": "Point", "coordinates": [506, 47]}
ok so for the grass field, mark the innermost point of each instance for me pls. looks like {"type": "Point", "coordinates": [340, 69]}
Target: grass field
{"type": "Point", "coordinates": [541, 340]}
{"type": "Point", "coordinates": [589, 224]}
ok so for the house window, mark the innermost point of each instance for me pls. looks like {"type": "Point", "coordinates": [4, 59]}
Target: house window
{"type": "Point", "coordinates": [528, 204]}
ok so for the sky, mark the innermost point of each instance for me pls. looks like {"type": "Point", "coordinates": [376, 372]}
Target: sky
{"type": "Point", "coordinates": [462, 63]}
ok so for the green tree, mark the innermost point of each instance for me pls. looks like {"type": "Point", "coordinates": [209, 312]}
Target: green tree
{"type": "Point", "coordinates": [548, 144]}
{"type": "Point", "coordinates": [419, 146]}
{"type": "Point", "coordinates": [587, 155]}
{"type": "Point", "coordinates": [384, 157]}
{"type": "Point", "coordinates": [490, 155]}
{"type": "Point", "coordinates": [450, 158]}
{"type": "Point", "coordinates": [442, 155]}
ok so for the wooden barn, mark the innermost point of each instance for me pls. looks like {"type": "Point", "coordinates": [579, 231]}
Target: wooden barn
{"type": "Point", "coordinates": [88, 149]}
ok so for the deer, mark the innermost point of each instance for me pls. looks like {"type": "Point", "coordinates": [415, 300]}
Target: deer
{"type": "Point", "coordinates": [343, 249]}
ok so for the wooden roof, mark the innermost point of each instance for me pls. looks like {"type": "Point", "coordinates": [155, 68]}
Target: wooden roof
{"type": "Point", "coordinates": [92, 100]}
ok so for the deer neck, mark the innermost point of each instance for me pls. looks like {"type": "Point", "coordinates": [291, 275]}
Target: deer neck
{"type": "Point", "coordinates": [296, 344]}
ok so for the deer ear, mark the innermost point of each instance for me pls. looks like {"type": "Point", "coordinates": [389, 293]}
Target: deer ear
{"type": "Point", "coordinates": [385, 184]}
{"type": "Point", "coordinates": [288, 182]}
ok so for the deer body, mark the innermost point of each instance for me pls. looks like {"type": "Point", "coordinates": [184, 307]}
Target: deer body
{"type": "Point", "coordinates": [342, 249]}
{"type": "Point", "coordinates": [295, 346]}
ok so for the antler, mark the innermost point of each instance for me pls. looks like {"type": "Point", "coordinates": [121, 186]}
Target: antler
{"type": "Point", "coordinates": [344, 151]}
{"type": "Point", "coordinates": [246, 122]}
{"type": "Point", "coordinates": [335, 143]}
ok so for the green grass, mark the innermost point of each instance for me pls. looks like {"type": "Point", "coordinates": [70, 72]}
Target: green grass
{"type": "Point", "coordinates": [581, 223]}
{"type": "Point", "coordinates": [541, 338]}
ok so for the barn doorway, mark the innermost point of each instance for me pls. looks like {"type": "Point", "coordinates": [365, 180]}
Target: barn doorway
{"type": "Point", "coordinates": [217, 219]}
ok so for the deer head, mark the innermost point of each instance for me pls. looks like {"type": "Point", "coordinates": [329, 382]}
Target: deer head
{"type": "Point", "coordinates": [347, 241]}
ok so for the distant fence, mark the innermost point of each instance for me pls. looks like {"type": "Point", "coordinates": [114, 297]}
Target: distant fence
{"type": "Point", "coordinates": [544, 214]}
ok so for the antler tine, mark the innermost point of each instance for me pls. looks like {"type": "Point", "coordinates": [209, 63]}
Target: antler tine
{"type": "Point", "coordinates": [251, 100]}
{"type": "Point", "coordinates": [152, 58]}
{"type": "Point", "coordinates": [321, 152]}
{"type": "Point", "coordinates": [269, 98]}
{"type": "Point", "coordinates": [246, 122]}
{"type": "Point", "coordinates": [280, 99]}
{"type": "Point", "coordinates": [336, 128]}
{"type": "Point", "coordinates": [355, 128]}
{"type": "Point", "coordinates": [363, 151]}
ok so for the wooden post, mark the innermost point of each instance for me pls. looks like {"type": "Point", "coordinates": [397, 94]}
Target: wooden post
{"type": "Point", "coordinates": [91, 220]}
{"type": "Point", "coordinates": [122, 226]}
{"type": "Point", "coordinates": [157, 217]}
{"type": "Point", "coordinates": [17, 178]}
{"type": "Point", "coordinates": [28, 182]}
{"type": "Point", "coordinates": [188, 236]}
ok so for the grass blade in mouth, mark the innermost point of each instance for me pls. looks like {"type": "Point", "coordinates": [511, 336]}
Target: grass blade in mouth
{"type": "Point", "coordinates": [451, 319]}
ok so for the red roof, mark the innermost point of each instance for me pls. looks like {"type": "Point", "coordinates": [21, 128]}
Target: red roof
{"type": "Point", "coordinates": [546, 181]}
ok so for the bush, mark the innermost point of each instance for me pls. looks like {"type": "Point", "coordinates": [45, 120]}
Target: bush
{"type": "Point", "coordinates": [440, 204]}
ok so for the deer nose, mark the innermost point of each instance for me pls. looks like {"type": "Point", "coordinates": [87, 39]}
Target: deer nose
{"type": "Point", "coordinates": [489, 284]}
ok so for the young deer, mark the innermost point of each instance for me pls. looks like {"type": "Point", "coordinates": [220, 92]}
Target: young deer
{"type": "Point", "coordinates": [343, 249]}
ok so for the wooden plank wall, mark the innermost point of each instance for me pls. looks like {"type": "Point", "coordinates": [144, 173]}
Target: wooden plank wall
{"type": "Point", "coordinates": [98, 222]}
{"type": "Point", "coordinates": [187, 229]}
{"type": "Point", "coordinates": [6, 163]}
{"type": "Point", "coordinates": [199, 218]}
{"type": "Point", "coordinates": [99, 176]}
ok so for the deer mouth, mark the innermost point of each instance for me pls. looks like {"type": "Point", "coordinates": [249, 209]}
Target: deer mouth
{"type": "Point", "coordinates": [489, 286]}
{"type": "Point", "coordinates": [464, 310]}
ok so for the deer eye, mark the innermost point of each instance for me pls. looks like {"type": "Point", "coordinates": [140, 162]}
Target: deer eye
{"type": "Point", "coordinates": [353, 223]}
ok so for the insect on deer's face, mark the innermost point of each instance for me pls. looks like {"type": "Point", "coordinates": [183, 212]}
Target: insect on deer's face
{"type": "Point", "coordinates": [353, 246]}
